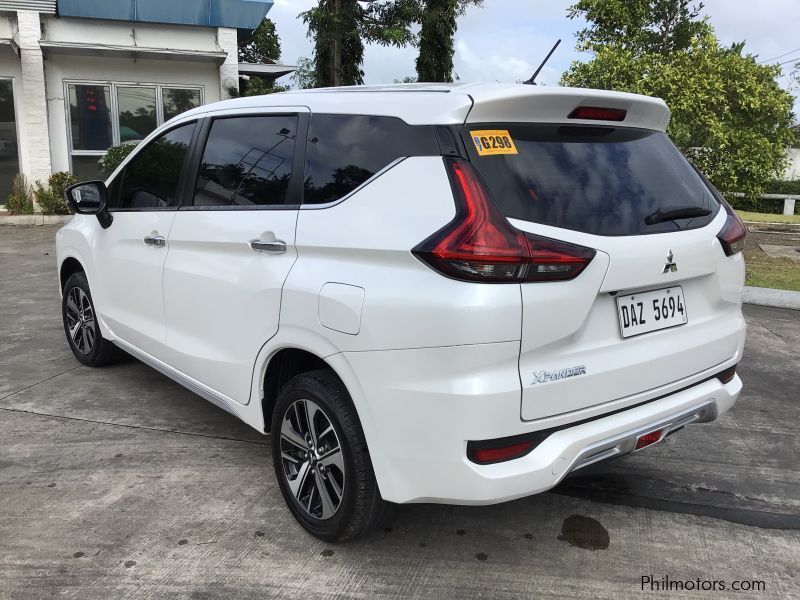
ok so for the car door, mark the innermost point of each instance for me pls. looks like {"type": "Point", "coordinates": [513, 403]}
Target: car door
{"type": "Point", "coordinates": [129, 255]}
{"type": "Point", "coordinates": [232, 247]}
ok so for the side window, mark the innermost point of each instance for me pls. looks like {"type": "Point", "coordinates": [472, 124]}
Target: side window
{"type": "Point", "coordinates": [247, 161]}
{"type": "Point", "coordinates": [343, 151]}
{"type": "Point", "coordinates": [150, 179]}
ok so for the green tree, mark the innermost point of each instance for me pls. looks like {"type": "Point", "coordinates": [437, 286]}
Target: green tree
{"type": "Point", "coordinates": [729, 115]}
{"type": "Point", "coordinates": [340, 28]}
{"type": "Point", "coordinates": [262, 46]}
{"type": "Point", "coordinates": [639, 25]}
{"type": "Point", "coordinates": [438, 21]}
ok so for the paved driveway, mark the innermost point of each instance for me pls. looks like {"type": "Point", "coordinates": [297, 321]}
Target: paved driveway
{"type": "Point", "coordinates": [118, 483]}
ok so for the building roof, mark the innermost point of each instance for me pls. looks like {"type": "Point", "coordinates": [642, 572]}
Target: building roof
{"type": "Point", "coordinates": [241, 14]}
{"type": "Point", "coordinates": [429, 104]}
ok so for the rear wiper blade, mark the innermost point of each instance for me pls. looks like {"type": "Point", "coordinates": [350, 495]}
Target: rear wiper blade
{"type": "Point", "coordinates": [670, 214]}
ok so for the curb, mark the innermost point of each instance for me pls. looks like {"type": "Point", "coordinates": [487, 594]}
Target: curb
{"type": "Point", "coordinates": [35, 219]}
{"type": "Point", "coordinates": [769, 297]}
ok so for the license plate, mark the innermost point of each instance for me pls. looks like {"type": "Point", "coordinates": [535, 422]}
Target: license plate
{"type": "Point", "coordinates": [651, 311]}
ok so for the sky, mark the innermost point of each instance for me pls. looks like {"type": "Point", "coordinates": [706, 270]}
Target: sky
{"type": "Point", "coordinates": [505, 40]}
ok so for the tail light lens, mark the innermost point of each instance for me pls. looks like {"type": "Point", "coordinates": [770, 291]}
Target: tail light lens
{"type": "Point", "coordinates": [733, 232]}
{"type": "Point", "coordinates": [727, 375]}
{"type": "Point", "coordinates": [481, 245]}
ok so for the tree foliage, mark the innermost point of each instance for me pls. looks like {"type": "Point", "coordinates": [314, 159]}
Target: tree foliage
{"type": "Point", "coordinates": [263, 46]}
{"type": "Point", "coordinates": [340, 28]}
{"type": "Point", "coordinates": [729, 115]}
{"type": "Point", "coordinates": [438, 21]}
{"type": "Point", "coordinates": [639, 25]}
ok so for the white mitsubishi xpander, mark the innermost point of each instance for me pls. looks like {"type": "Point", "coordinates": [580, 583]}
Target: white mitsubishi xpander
{"type": "Point", "coordinates": [426, 293]}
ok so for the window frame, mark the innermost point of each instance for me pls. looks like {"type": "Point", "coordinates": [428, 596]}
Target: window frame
{"type": "Point", "coordinates": [14, 98]}
{"type": "Point", "coordinates": [114, 108]}
{"type": "Point", "coordinates": [294, 193]}
{"type": "Point", "coordinates": [183, 178]}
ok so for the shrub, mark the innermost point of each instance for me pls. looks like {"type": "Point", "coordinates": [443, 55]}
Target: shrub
{"type": "Point", "coordinates": [115, 155]}
{"type": "Point", "coordinates": [783, 187]}
{"type": "Point", "coordinates": [20, 201]}
{"type": "Point", "coordinates": [50, 202]}
{"type": "Point", "coordinates": [61, 181]}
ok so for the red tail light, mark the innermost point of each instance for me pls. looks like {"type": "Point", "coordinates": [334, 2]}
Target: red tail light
{"type": "Point", "coordinates": [486, 456]}
{"type": "Point", "coordinates": [733, 232]}
{"type": "Point", "coordinates": [597, 113]}
{"type": "Point", "coordinates": [481, 245]}
{"type": "Point", "coordinates": [727, 375]}
{"type": "Point", "coordinates": [648, 439]}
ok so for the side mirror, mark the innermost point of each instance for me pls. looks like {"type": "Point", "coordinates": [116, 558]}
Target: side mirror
{"type": "Point", "coordinates": [90, 198]}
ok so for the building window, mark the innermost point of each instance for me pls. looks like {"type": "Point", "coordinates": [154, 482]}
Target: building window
{"type": "Point", "coordinates": [9, 154]}
{"type": "Point", "coordinates": [105, 115]}
{"type": "Point", "coordinates": [177, 100]}
{"type": "Point", "coordinates": [136, 107]}
{"type": "Point", "coordinates": [90, 117]}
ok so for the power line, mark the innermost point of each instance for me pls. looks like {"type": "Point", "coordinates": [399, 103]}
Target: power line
{"type": "Point", "coordinates": [779, 56]}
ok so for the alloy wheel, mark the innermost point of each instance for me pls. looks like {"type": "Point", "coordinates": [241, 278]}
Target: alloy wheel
{"type": "Point", "coordinates": [312, 459]}
{"type": "Point", "coordinates": [80, 321]}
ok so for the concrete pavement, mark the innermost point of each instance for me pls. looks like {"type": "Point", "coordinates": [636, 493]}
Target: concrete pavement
{"type": "Point", "coordinates": [117, 483]}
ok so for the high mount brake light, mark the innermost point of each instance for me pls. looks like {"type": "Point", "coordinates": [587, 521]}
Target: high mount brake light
{"type": "Point", "coordinates": [732, 234]}
{"type": "Point", "coordinates": [597, 113]}
{"type": "Point", "coordinates": [480, 245]}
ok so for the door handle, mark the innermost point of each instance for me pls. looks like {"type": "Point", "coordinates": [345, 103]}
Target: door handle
{"type": "Point", "coordinates": [275, 247]}
{"type": "Point", "coordinates": [155, 240]}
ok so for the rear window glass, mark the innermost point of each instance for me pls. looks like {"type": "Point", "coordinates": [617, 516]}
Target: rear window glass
{"type": "Point", "coordinates": [343, 151]}
{"type": "Point", "coordinates": [600, 180]}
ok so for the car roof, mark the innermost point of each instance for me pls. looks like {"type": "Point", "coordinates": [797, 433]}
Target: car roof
{"type": "Point", "coordinates": [456, 103]}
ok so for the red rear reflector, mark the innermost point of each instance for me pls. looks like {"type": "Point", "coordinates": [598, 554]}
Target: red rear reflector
{"type": "Point", "coordinates": [648, 439]}
{"type": "Point", "coordinates": [493, 455]}
{"type": "Point", "coordinates": [732, 234]}
{"type": "Point", "coordinates": [727, 375]}
{"type": "Point", "coordinates": [597, 113]}
{"type": "Point", "coordinates": [481, 245]}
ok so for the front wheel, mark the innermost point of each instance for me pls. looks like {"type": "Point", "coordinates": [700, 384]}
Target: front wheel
{"type": "Point", "coordinates": [81, 326]}
{"type": "Point", "coordinates": [321, 459]}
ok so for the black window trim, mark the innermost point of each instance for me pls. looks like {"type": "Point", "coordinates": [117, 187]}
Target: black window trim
{"type": "Point", "coordinates": [443, 149]}
{"type": "Point", "coordinates": [181, 179]}
{"type": "Point", "coordinates": [294, 193]}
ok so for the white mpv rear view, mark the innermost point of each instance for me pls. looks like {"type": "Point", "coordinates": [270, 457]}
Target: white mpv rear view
{"type": "Point", "coordinates": [455, 294]}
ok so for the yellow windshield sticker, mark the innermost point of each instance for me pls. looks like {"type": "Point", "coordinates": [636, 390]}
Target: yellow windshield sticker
{"type": "Point", "coordinates": [493, 142]}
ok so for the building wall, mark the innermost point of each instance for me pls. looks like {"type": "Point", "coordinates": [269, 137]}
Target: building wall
{"type": "Point", "coordinates": [120, 33]}
{"type": "Point", "coordinates": [793, 170]}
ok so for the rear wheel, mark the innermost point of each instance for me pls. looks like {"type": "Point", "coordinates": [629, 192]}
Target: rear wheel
{"type": "Point", "coordinates": [321, 459]}
{"type": "Point", "coordinates": [81, 327]}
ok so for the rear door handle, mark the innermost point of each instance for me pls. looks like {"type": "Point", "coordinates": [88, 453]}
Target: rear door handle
{"type": "Point", "coordinates": [155, 240]}
{"type": "Point", "coordinates": [275, 246]}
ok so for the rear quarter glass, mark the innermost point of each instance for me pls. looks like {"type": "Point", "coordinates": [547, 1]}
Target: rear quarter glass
{"type": "Point", "coordinates": [601, 180]}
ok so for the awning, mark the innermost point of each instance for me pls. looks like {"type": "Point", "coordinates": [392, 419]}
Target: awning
{"type": "Point", "coordinates": [266, 70]}
{"type": "Point", "coordinates": [216, 56]}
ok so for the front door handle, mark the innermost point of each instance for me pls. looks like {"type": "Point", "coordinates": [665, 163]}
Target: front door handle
{"type": "Point", "coordinates": [275, 246]}
{"type": "Point", "coordinates": [155, 240]}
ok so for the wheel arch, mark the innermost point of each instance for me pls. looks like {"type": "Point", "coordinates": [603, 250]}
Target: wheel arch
{"type": "Point", "coordinates": [281, 366]}
{"type": "Point", "coordinates": [69, 266]}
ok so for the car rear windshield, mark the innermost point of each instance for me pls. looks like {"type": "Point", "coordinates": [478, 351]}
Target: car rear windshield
{"type": "Point", "coordinates": [600, 180]}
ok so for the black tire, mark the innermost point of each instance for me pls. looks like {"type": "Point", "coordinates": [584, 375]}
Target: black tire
{"type": "Point", "coordinates": [88, 345]}
{"type": "Point", "coordinates": [361, 508]}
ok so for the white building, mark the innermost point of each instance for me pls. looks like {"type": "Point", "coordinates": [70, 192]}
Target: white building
{"type": "Point", "coordinates": [79, 76]}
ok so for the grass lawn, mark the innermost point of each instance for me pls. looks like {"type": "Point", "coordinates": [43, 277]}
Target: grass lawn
{"type": "Point", "coordinates": [766, 218]}
{"type": "Point", "coordinates": [776, 273]}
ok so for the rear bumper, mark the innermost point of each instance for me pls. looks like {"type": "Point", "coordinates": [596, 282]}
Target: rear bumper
{"type": "Point", "coordinates": [425, 405]}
